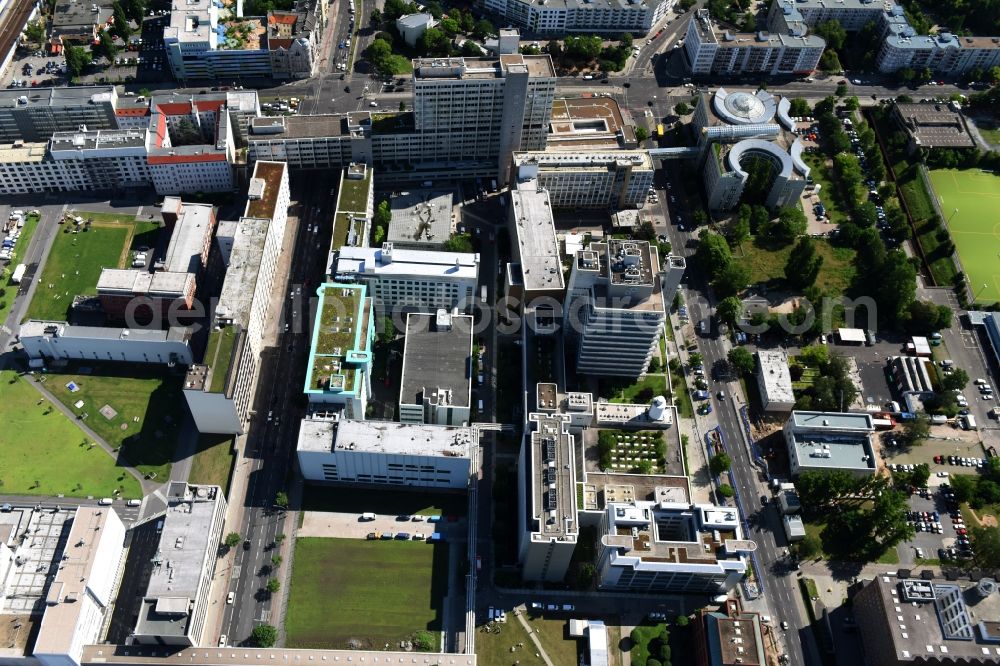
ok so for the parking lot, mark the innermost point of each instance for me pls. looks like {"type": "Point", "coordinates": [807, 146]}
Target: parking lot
{"type": "Point", "coordinates": [940, 530]}
{"type": "Point", "coordinates": [35, 68]}
{"type": "Point", "coordinates": [352, 526]}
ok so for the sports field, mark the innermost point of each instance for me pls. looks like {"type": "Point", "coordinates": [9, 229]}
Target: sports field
{"type": "Point", "coordinates": [359, 594]}
{"type": "Point", "coordinates": [975, 228]}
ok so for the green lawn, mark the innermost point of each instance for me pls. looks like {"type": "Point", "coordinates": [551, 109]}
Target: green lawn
{"type": "Point", "coordinates": [974, 229]}
{"type": "Point", "coordinates": [43, 453]}
{"type": "Point", "coordinates": [627, 391]}
{"type": "Point", "coordinates": [767, 264]}
{"type": "Point", "coordinates": [219, 354]}
{"type": "Point", "coordinates": [9, 288]}
{"type": "Point", "coordinates": [213, 461]}
{"type": "Point", "coordinates": [506, 644]}
{"type": "Point", "coordinates": [554, 637]}
{"type": "Point", "coordinates": [991, 135]}
{"type": "Point", "coordinates": [76, 259]}
{"type": "Point", "coordinates": [149, 409]}
{"type": "Point", "coordinates": [364, 594]}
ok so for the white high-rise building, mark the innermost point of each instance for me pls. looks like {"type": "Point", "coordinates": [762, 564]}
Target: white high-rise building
{"type": "Point", "coordinates": [615, 306]}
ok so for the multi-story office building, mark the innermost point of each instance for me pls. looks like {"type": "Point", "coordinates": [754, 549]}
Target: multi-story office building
{"type": "Point", "coordinates": [138, 297]}
{"type": "Point", "coordinates": [384, 453]}
{"type": "Point", "coordinates": [712, 50]}
{"type": "Point", "coordinates": [902, 46]}
{"type": "Point", "coordinates": [943, 52]}
{"type": "Point", "coordinates": [615, 306]}
{"type": "Point", "coordinates": [352, 221]}
{"type": "Point", "coordinates": [35, 114]}
{"type": "Point", "coordinates": [338, 372]}
{"type": "Point", "coordinates": [57, 340]}
{"type": "Point", "coordinates": [546, 488]}
{"type": "Point", "coordinates": [138, 157]}
{"type": "Point", "coordinates": [562, 16]}
{"type": "Point", "coordinates": [191, 226]}
{"type": "Point", "coordinates": [81, 592]}
{"type": "Point", "coordinates": [220, 390]}
{"type": "Point", "coordinates": [483, 109]}
{"type": "Point", "coordinates": [410, 280]}
{"type": "Point", "coordinates": [730, 636]}
{"type": "Point", "coordinates": [311, 142]}
{"type": "Point", "coordinates": [737, 129]}
{"type": "Point", "coordinates": [819, 441]}
{"type": "Point", "coordinates": [589, 179]}
{"type": "Point", "coordinates": [536, 270]}
{"type": "Point", "coordinates": [774, 381]}
{"type": "Point", "coordinates": [176, 600]}
{"type": "Point", "coordinates": [436, 384]}
{"type": "Point", "coordinates": [293, 38]}
{"type": "Point", "coordinates": [927, 621]}
{"type": "Point", "coordinates": [671, 547]}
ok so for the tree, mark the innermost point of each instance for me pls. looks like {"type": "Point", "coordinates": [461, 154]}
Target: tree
{"type": "Point", "coordinates": [986, 543]}
{"type": "Point", "coordinates": [895, 286]}
{"type": "Point", "coordinates": [459, 243]}
{"type": "Point", "coordinates": [77, 59]}
{"type": "Point", "coordinates": [434, 42]}
{"type": "Point", "coordinates": [483, 29]}
{"type": "Point", "coordinates": [719, 463]}
{"type": "Point", "coordinates": [956, 380]}
{"type": "Point", "coordinates": [106, 46]}
{"type": "Point", "coordinates": [232, 539]}
{"type": "Point", "coordinates": [791, 223]}
{"type": "Point", "coordinates": [731, 280]}
{"type": "Point", "coordinates": [34, 32]}
{"type": "Point", "coordinates": [264, 635]}
{"type": "Point", "coordinates": [695, 359]}
{"type": "Point", "coordinates": [915, 431]}
{"type": "Point", "coordinates": [279, 537]}
{"type": "Point", "coordinates": [583, 47]}
{"type": "Point", "coordinates": [725, 490]}
{"type": "Point", "coordinates": [682, 109]}
{"type": "Point", "coordinates": [585, 576]}
{"type": "Point", "coordinates": [554, 49]}
{"type": "Point", "coordinates": [928, 317]}
{"type": "Point", "coordinates": [841, 87]}
{"type": "Point", "coordinates": [641, 134]}
{"type": "Point", "coordinates": [645, 231]}
{"type": "Point", "coordinates": [803, 265]}
{"type": "Point", "coordinates": [730, 310]}
{"type": "Point", "coordinates": [742, 361]}
{"type": "Point", "coordinates": [739, 230]}
{"type": "Point", "coordinates": [449, 26]}
{"type": "Point", "coordinates": [276, 561]}
{"type": "Point", "coordinates": [833, 32]}
{"type": "Point", "coordinates": [713, 253]}
{"type": "Point", "coordinates": [120, 26]}
{"type": "Point", "coordinates": [388, 333]}
{"type": "Point", "coordinates": [273, 585]}
{"type": "Point", "coordinates": [375, 18]}
{"type": "Point", "coordinates": [281, 499]}
{"type": "Point", "coordinates": [800, 108]}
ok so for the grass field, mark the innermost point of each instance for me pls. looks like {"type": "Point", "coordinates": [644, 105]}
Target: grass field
{"type": "Point", "coordinates": [768, 264]}
{"type": "Point", "coordinates": [43, 453]}
{"type": "Point", "coordinates": [975, 228]}
{"type": "Point", "coordinates": [76, 259]}
{"type": "Point", "coordinates": [511, 645]}
{"type": "Point", "coordinates": [213, 461]}
{"type": "Point", "coordinates": [364, 594]}
{"type": "Point", "coordinates": [149, 410]}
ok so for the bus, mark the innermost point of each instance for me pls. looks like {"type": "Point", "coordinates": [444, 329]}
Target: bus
{"type": "Point", "coordinates": [482, 293]}
{"type": "Point", "coordinates": [659, 130]}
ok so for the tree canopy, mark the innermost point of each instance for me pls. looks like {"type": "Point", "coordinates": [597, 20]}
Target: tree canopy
{"type": "Point", "coordinates": [803, 265]}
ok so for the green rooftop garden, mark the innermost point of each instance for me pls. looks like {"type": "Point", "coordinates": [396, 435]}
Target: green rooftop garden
{"type": "Point", "coordinates": [335, 335]}
{"type": "Point", "coordinates": [354, 193]}
{"type": "Point", "coordinates": [392, 123]}
{"type": "Point", "coordinates": [218, 355]}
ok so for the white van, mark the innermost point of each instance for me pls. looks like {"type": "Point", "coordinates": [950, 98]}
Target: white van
{"type": "Point", "coordinates": [969, 422]}
{"type": "Point", "coordinates": [367, 516]}
{"type": "Point", "coordinates": [939, 419]}
{"type": "Point", "coordinates": [134, 502]}
{"type": "Point", "coordinates": [106, 501]}
{"type": "Point", "coordinates": [480, 406]}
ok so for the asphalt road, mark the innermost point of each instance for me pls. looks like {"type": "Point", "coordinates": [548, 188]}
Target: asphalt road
{"type": "Point", "coordinates": [779, 587]}
{"type": "Point", "coordinates": [270, 443]}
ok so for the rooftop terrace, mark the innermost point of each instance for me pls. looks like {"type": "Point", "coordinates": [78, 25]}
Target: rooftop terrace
{"type": "Point", "coordinates": [262, 204]}
{"type": "Point", "coordinates": [339, 337]}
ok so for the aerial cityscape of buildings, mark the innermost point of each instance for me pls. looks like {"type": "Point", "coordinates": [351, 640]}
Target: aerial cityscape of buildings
{"type": "Point", "coordinates": [488, 349]}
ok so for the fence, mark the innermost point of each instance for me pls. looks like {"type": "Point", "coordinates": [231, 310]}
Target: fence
{"type": "Point", "coordinates": [925, 178]}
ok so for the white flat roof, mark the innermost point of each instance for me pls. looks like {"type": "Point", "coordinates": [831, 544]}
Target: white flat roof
{"type": "Point", "coordinates": [389, 437]}
{"type": "Point", "coordinates": [538, 247]}
{"type": "Point", "coordinates": [401, 262]}
{"type": "Point", "coordinates": [776, 379]}
{"type": "Point", "coordinates": [851, 334]}
{"type": "Point", "coordinates": [188, 238]}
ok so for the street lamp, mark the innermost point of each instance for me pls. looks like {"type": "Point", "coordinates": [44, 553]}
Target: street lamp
{"type": "Point", "coordinates": [953, 213]}
{"type": "Point", "coordinates": [976, 296]}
